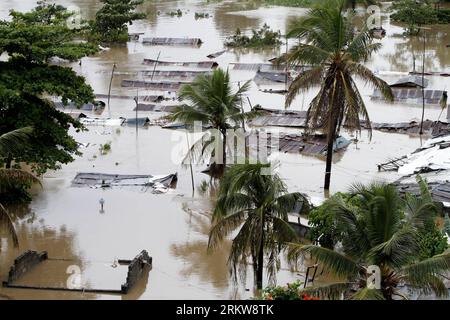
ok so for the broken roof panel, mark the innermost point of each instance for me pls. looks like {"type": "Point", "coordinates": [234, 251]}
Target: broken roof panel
{"type": "Point", "coordinates": [411, 81]}
{"type": "Point", "coordinates": [172, 41]}
{"type": "Point", "coordinates": [434, 155]}
{"type": "Point", "coordinates": [199, 64]}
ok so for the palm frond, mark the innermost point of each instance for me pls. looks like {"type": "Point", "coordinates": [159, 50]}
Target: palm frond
{"type": "Point", "coordinates": [7, 220]}
{"type": "Point", "coordinates": [338, 264]}
{"type": "Point", "coordinates": [14, 141]}
{"type": "Point", "coordinates": [367, 294]}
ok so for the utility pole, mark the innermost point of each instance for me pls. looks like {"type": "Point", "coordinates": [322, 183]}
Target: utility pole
{"type": "Point", "coordinates": [423, 80]}
{"type": "Point", "coordinates": [109, 90]}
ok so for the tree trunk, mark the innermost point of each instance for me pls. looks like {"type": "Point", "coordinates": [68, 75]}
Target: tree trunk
{"type": "Point", "coordinates": [260, 264]}
{"type": "Point", "coordinates": [329, 160]}
{"type": "Point", "coordinates": [8, 163]}
{"type": "Point", "coordinates": [224, 149]}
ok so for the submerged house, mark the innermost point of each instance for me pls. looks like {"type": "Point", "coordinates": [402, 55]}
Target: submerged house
{"type": "Point", "coordinates": [409, 90]}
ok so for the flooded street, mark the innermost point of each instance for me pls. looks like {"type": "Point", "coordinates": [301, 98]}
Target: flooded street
{"type": "Point", "coordinates": [174, 227]}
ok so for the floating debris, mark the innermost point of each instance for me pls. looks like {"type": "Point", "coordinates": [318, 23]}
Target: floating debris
{"type": "Point", "coordinates": [100, 121]}
{"type": "Point", "coordinates": [200, 64]}
{"type": "Point", "coordinates": [159, 184]}
{"type": "Point", "coordinates": [32, 261]}
{"type": "Point", "coordinates": [216, 54]}
{"type": "Point", "coordinates": [172, 41]}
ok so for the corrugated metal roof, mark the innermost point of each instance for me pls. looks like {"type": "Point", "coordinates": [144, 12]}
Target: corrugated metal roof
{"type": "Point", "coordinates": [172, 41]}
{"type": "Point", "coordinates": [154, 85]}
{"type": "Point", "coordinates": [199, 64]}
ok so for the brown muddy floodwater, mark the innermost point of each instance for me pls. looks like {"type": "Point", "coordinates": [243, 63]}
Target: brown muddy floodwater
{"type": "Point", "coordinates": [173, 227]}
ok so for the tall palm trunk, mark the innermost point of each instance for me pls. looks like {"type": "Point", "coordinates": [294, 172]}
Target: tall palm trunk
{"type": "Point", "coordinates": [224, 149]}
{"type": "Point", "coordinates": [260, 264]}
{"type": "Point", "coordinates": [329, 161]}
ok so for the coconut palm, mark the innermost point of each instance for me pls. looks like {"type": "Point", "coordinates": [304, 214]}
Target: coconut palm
{"type": "Point", "coordinates": [382, 229]}
{"type": "Point", "coordinates": [329, 43]}
{"type": "Point", "coordinates": [257, 205]}
{"type": "Point", "coordinates": [211, 100]}
{"type": "Point", "coordinates": [11, 142]}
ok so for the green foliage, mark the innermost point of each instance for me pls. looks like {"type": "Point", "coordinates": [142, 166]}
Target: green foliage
{"type": "Point", "coordinates": [257, 205]}
{"type": "Point", "coordinates": [431, 243]}
{"type": "Point", "coordinates": [105, 148]}
{"type": "Point", "coordinates": [263, 37]}
{"type": "Point", "coordinates": [447, 225]}
{"type": "Point", "coordinates": [397, 234]}
{"type": "Point", "coordinates": [289, 292]}
{"type": "Point", "coordinates": [30, 40]}
{"type": "Point", "coordinates": [327, 40]}
{"type": "Point", "coordinates": [201, 15]}
{"type": "Point", "coordinates": [177, 13]}
{"type": "Point", "coordinates": [210, 99]}
{"type": "Point", "coordinates": [415, 13]}
{"type": "Point", "coordinates": [112, 20]}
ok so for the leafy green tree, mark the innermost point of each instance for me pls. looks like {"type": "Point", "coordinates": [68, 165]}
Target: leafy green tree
{"type": "Point", "coordinates": [210, 99]}
{"type": "Point", "coordinates": [30, 40]}
{"type": "Point", "coordinates": [112, 20]}
{"type": "Point", "coordinates": [11, 142]}
{"type": "Point", "coordinates": [256, 205]}
{"type": "Point", "coordinates": [384, 230]}
{"type": "Point", "coordinates": [414, 13]}
{"type": "Point", "coordinates": [329, 43]}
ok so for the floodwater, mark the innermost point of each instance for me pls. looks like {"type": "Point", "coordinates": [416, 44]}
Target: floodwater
{"type": "Point", "coordinates": [173, 227]}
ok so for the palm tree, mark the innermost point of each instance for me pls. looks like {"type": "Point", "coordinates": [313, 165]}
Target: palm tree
{"type": "Point", "coordinates": [11, 142]}
{"type": "Point", "coordinates": [329, 43]}
{"type": "Point", "coordinates": [211, 100]}
{"type": "Point", "coordinates": [257, 205]}
{"type": "Point", "coordinates": [382, 229]}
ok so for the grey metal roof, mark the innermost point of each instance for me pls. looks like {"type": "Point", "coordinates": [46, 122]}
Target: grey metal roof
{"type": "Point", "coordinates": [410, 81]}
{"type": "Point", "coordinates": [172, 41]}
{"type": "Point", "coordinates": [199, 64]}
